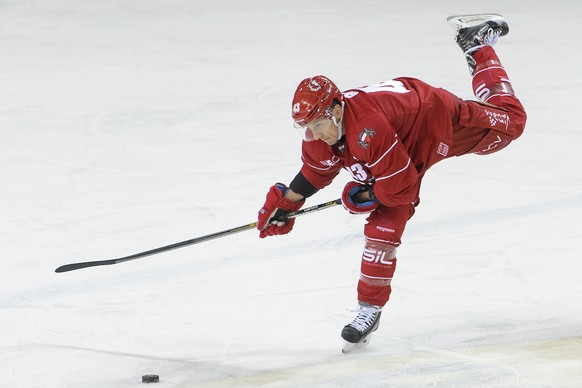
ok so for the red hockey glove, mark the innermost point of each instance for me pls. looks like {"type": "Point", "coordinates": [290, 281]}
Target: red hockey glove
{"type": "Point", "coordinates": [277, 206]}
{"type": "Point", "coordinates": [351, 201]}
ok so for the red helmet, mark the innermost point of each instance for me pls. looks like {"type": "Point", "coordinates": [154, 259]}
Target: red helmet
{"type": "Point", "coordinates": [313, 98]}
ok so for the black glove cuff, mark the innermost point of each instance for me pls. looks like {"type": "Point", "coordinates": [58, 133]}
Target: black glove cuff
{"type": "Point", "coordinates": [372, 195]}
{"type": "Point", "coordinates": [302, 186]}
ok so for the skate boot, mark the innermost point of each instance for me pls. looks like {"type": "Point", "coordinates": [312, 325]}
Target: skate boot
{"type": "Point", "coordinates": [358, 332]}
{"type": "Point", "coordinates": [476, 31]}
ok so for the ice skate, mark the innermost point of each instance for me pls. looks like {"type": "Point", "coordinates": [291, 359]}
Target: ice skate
{"type": "Point", "coordinates": [476, 31]}
{"type": "Point", "coordinates": [358, 333]}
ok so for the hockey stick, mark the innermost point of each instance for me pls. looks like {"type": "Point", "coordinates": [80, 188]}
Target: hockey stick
{"type": "Point", "coordinates": [197, 240]}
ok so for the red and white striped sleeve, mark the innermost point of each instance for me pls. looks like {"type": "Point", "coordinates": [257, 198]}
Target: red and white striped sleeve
{"type": "Point", "coordinates": [320, 166]}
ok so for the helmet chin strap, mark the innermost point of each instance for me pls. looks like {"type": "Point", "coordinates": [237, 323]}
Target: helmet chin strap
{"type": "Point", "coordinates": [339, 124]}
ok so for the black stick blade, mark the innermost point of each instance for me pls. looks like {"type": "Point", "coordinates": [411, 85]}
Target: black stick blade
{"type": "Point", "coordinates": [87, 264]}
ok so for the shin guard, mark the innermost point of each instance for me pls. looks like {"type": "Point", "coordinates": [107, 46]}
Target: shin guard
{"type": "Point", "coordinates": [490, 81]}
{"type": "Point", "coordinates": [377, 268]}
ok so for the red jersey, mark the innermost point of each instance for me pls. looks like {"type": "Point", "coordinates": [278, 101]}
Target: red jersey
{"type": "Point", "coordinates": [393, 132]}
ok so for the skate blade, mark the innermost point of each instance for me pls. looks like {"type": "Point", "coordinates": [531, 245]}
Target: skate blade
{"type": "Point", "coordinates": [459, 21]}
{"type": "Point", "coordinates": [350, 346]}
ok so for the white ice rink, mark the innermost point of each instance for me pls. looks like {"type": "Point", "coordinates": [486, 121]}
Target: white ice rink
{"type": "Point", "coordinates": [131, 124]}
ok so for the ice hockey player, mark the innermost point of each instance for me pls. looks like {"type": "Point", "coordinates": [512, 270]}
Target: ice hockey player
{"type": "Point", "coordinates": [387, 136]}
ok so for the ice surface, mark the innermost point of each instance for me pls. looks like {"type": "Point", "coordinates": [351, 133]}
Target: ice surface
{"type": "Point", "coordinates": [130, 124]}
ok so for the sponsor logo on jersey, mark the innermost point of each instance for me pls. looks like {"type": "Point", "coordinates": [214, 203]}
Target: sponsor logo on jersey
{"type": "Point", "coordinates": [386, 230]}
{"type": "Point", "coordinates": [497, 119]}
{"type": "Point", "coordinates": [443, 149]}
{"type": "Point", "coordinates": [330, 162]}
{"type": "Point", "coordinates": [365, 137]}
{"type": "Point", "coordinates": [482, 92]}
{"type": "Point", "coordinates": [376, 256]}
{"type": "Point", "coordinates": [496, 143]}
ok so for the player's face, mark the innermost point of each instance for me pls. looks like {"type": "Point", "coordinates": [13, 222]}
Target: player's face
{"type": "Point", "coordinates": [322, 128]}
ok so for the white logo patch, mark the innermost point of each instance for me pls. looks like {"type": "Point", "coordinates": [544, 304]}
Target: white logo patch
{"type": "Point", "coordinates": [330, 162]}
{"type": "Point", "coordinates": [443, 149]}
{"type": "Point", "coordinates": [314, 86]}
{"type": "Point", "coordinates": [375, 256]}
{"type": "Point", "coordinates": [497, 118]}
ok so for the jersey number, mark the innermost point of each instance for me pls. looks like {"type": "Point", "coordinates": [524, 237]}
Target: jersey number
{"type": "Point", "coordinates": [386, 86]}
{"type": "Point", "coordinates": [358, 172]}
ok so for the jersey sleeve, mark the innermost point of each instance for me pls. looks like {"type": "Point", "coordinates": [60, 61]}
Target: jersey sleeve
{"type": "Point", "coordinates": [397, 181]}
{"type": "Point", "coordinates": [320, 166]}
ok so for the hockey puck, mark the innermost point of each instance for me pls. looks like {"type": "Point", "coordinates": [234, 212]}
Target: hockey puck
{"type": "Point", "coordinates": [150, 379]}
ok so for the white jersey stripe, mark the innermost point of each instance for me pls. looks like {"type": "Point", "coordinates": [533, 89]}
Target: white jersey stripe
{"type": "Point", "coordinates": [317, 168]}
{"type": "Point", "coordinates": [396, 173]}
{"type": "Point", "coordinates": [382, 157]}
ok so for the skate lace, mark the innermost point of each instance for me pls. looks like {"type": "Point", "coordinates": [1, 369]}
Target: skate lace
{"type": "Point", "coordinates": [365, 318]}
{"type": "Point", "coordinates": [491, 37]}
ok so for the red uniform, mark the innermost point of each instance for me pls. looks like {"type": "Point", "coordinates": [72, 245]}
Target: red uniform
{"type": "Point", "coordinates": [393, 132]}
